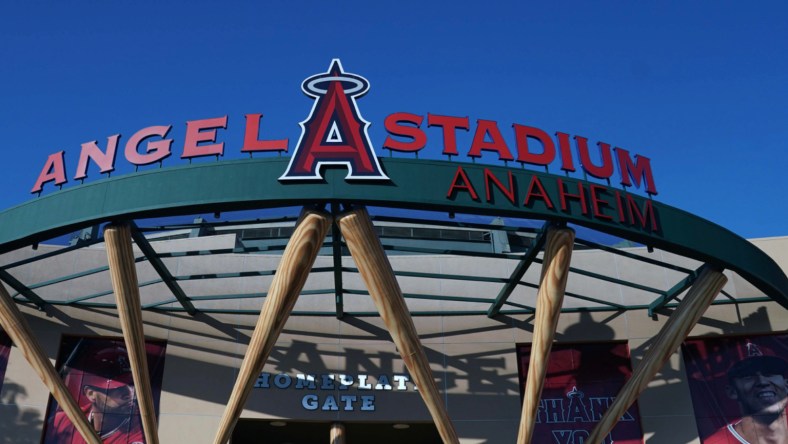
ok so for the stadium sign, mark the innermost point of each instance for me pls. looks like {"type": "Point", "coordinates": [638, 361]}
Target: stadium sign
{"type": "Point", "coordinates": [335, 133]}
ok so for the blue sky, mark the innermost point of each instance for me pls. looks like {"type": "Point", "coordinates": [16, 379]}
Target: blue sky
{"type": "Point", "coordinates": [699, 87]}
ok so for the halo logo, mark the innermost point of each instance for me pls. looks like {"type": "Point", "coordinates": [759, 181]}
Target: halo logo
{"type": "Point", "coordinates": [334, 133]}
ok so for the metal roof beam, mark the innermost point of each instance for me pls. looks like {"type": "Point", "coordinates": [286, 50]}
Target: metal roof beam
{"type": "Point", "coordinates": [629, 255]}
{"type": "Point", "coordinates": [613, 280]}
{"type": "Point", "coordinates": [674, 291]}
{"type": "Point", "coordinates": [519, 271]}
{"type": "Point", "coordinates": [451, 252]}
{"type": "Point", "coordinates": [453, 224]}
{"type": "Point", "coordinates": [53, 253]}
{"type": "Point", "coordinates": [22, 289]}
{"type": "Point", "coordinates": [161, 269]}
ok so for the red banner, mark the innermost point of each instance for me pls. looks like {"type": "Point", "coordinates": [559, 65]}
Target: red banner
{"type": "Point", "coordinates": [98, 375]}
{"type": "Point", "coordinates": [739, 389]}
{"type": "Point", "coordinates": [581, 382]}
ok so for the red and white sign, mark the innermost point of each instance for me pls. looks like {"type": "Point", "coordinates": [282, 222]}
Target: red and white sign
{"type": "Point", "coordinates": [739, 388]}
{"type": "Point", "coordinates": [581, 382]}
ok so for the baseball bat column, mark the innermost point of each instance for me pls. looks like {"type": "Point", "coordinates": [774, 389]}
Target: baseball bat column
{"type": "Point", "coordinates": [291, 274]}
{"type": "Point", "coordinates": [123, 272]}
{"type": "Point", "coordinates": [14, 324]}
{"type": "Point", "coordinates": [679, 324]}
{"type": "Point", "coordinates": [376, 271]}
{"type": "Point", "coordinates": [552, 285]}
{"type": "Point", "coordinates": [338, 433]}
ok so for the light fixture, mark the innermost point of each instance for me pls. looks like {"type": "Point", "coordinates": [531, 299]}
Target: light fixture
{"type": "Point", "coordinates": [401, 426]}
{"type": "Point", "coordinates": [278, 423]}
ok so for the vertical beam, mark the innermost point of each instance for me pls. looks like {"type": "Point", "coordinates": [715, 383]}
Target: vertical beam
{"type": "Point", "coordinates": [338, 433]}
{"type": "Point", "coordinates": [376, 271]}
{"type": "Point", "coordinates": [291, 274]}
{"type": "Point", "coordinates": [552, 285]}
{"type": "Point", "coordinates": [336, 247]}
{"type": "Point", "coordinates": [675, 330]}
{"type": "Point", "coordinates": [123, 271]}
{"type": "Point", "coordinates": [14, 324]}
{"type": "Point", "coordinates": [519, 271]}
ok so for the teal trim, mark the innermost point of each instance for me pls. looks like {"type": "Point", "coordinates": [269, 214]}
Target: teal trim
{"type": "Point", "coordinates": [416, 184]}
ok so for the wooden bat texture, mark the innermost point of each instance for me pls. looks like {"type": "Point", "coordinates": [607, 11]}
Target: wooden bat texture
{"type": "Point", "coordinates": [123, 271]}
{"type": "Point", "coordinates": [552, 284]}
{"type": "Point", "coordinates": [376, 271]}
{"type": "Point", "coordinates": [675, 330]}
{"type": "Point", "coordinates": [291, 274]}
{"type": "Point", "coordinates": [14, 324]}
{"type": "Point", "coordinates": [337, 433]}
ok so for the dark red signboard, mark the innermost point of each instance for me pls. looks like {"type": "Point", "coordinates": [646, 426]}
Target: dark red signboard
{"type": "Point", "coordinates": [582, 381]}
{"type": "Point", "coordinates": [97, 373]}
{"type": "Point", "coordinates": [5, 351]}
{"type": "Point", "coordinates": [738, 387]}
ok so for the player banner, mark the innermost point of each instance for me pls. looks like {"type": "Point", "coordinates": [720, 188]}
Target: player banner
{"type": "Point", "coordinates": [5, 351]}
{"type": "Point", "coordinates": [738, 387]}
{"type": "Point", "coordinates": [581, 382]}
{"type": "Point", "coordinates": [98, 375]}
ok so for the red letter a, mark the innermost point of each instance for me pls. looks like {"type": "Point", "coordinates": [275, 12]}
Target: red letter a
{"type": "Point", "coordinates": [334, 133]}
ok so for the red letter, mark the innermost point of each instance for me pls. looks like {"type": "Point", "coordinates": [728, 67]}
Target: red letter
{"type": "Point", "coordinates": [521, 135]}
{"type": "Point", "coordinates": [195, 135]}
{"type": "Point", "coordinates": [640, 170]}
{"type": "Point", "coordinates": [541, 194]}
{"type": "Point", "coordinates": [334, 133]}
{"type": "Point", "coordinates": [496, 143]}
{"type": "Point", "coordinates": [489, 178]}
{"type": "Point", "coordinates": [251, 142]}
{"type": "Point", "coordinates": [580, 196]}
{"type": "Point", "coordinates": [105, 161]}
{"type": "Point", "coordinates": [620, 205]}
{"type": "Point", "coordinates": [648, 211]}
{"type": "Point", "coordinates": [154, 151]}
{"type": "Point", "coordinates": [597, 202]}
{"type": "Point", "coordinates": [567, 161]}
{"type": "Point", "coordinates": [461, 183]}
{"type": "Point", "coordinates": [392, 124]}
{"type": "Point", "coordinates": [600, 172]}
{"type": "Point", "coordinates": [54, 169]}
{"type": "Point", "coordinates": [449, 125]}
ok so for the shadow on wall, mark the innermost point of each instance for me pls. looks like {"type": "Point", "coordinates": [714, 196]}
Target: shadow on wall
{"type": "Point", "coordinates": [18, 425]}
{"type": "Point", "coordinates": [483, 372]}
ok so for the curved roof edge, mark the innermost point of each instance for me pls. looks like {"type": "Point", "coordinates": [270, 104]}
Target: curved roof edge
{"type": "Point", "coordinates": [415, 184]}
